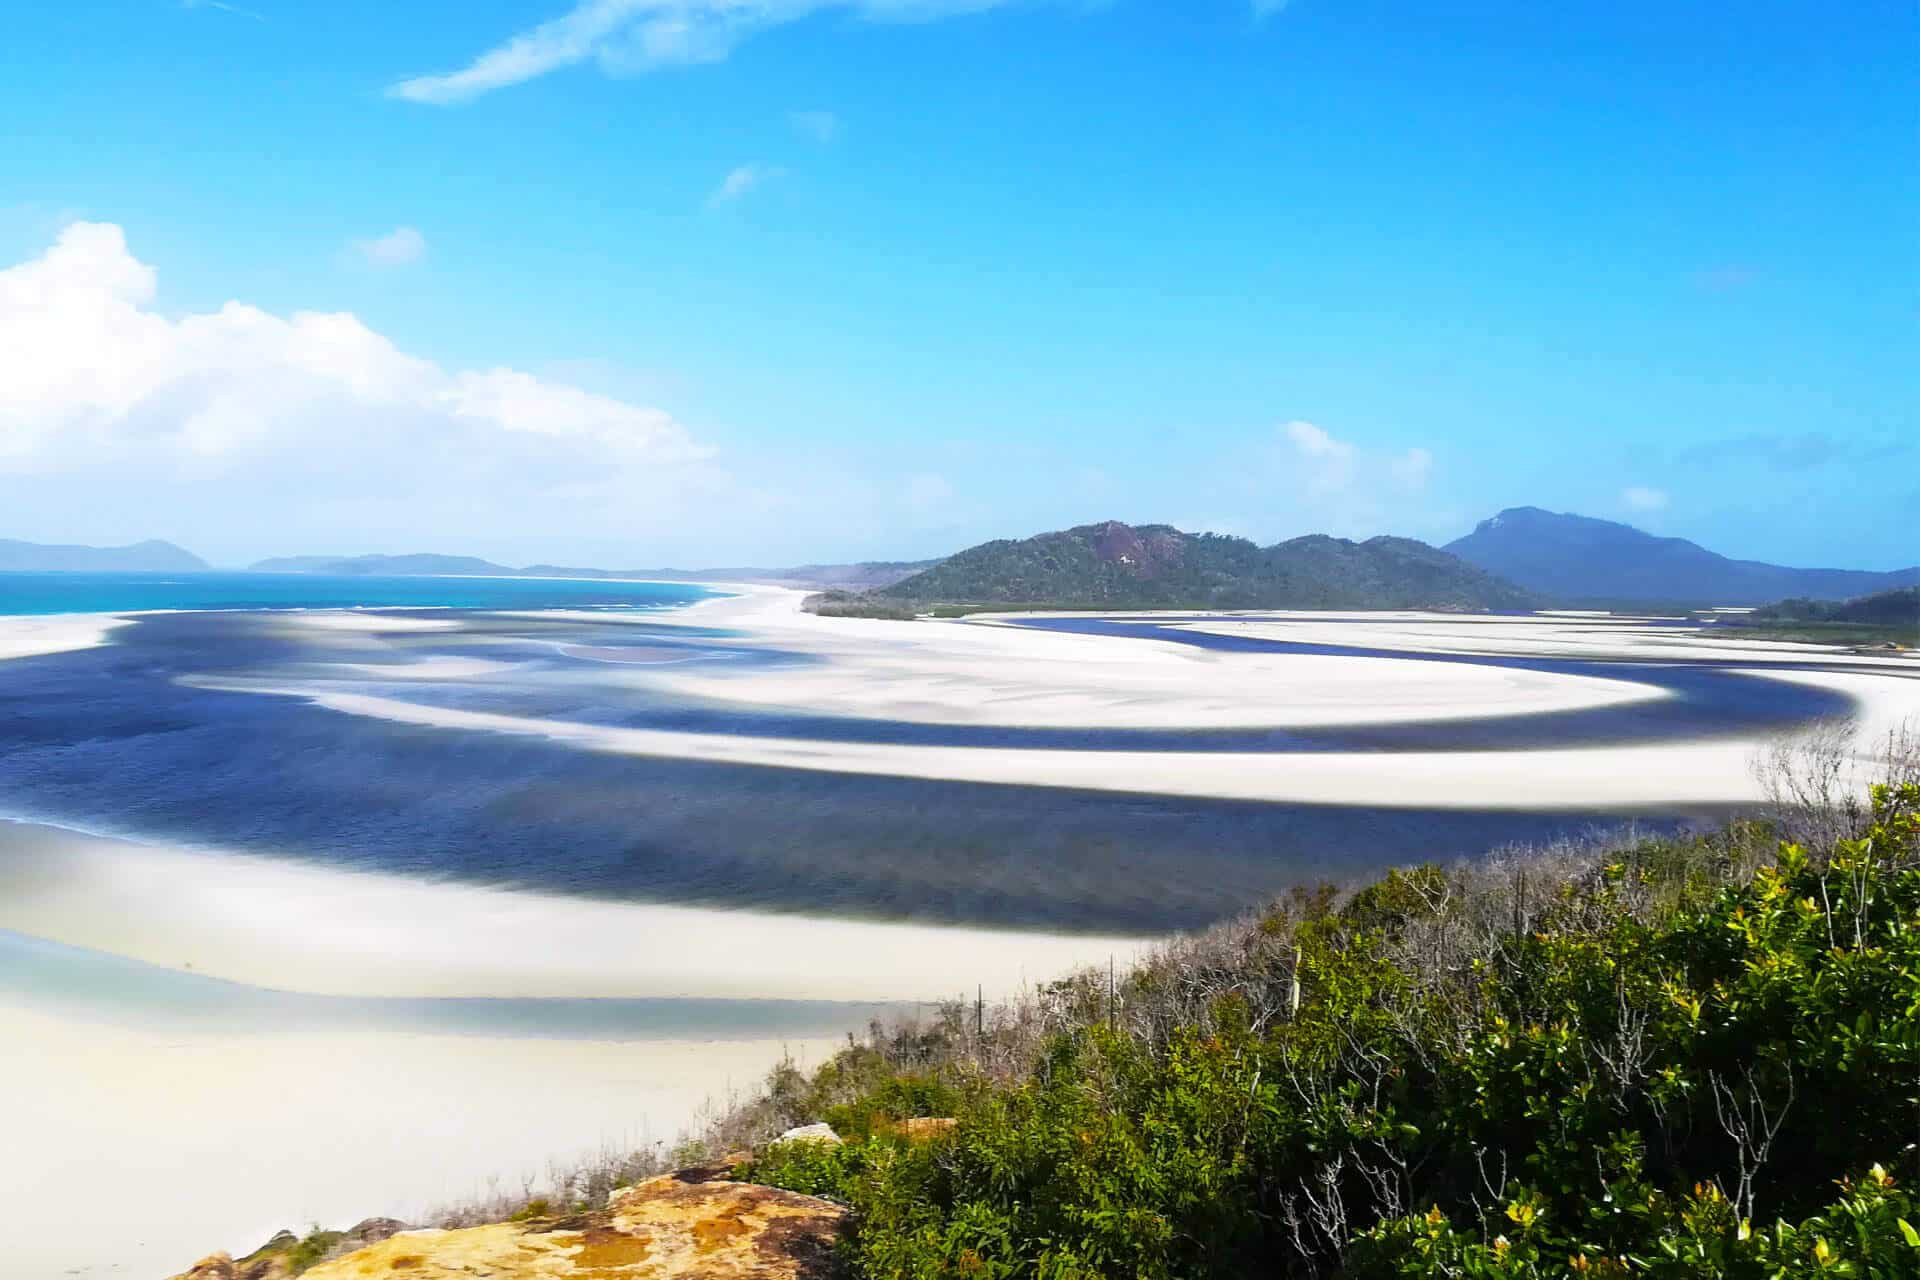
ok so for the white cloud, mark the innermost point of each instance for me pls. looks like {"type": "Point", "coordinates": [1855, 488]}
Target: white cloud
{"type": "Point", "coordinates": [1330, 462]}
{"type": "Point", "coordinates": [1641, 498]}
{"type": "Point", "coordinates": [628, 37]}
{"type": "Point", "coordinates": [1332, 465]}
{"type": "Point", "coordinates": [741, 180]}
{"type": "Point", "coordinates": [296, 429]}
{"type": "Point", "coordinates": [821, 126]}
{"type": "Point", "coordinates": [397, 248]}
{"type": "Point", "coordinates": [1336, 486]}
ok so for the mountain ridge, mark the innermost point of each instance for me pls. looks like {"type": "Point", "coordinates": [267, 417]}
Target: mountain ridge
{"type": "Point", "coordinates": [1581, 558]}
{"type": "Point", "coordinates": [151, 556]}
{"type": "Point", "coordinates": [860, 575]}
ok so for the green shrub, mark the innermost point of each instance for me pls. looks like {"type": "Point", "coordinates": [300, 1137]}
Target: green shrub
{"type": "Point", "coordinates": [1656, 1068]}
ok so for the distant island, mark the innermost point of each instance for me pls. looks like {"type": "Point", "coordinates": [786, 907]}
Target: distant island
{"type": "Point", "coordinates": [1119, 566]}
{"type": "Point", "coordinates": [858, 576]}
{"type": "Point", "coordinates": [1578, 559]}
{"type": "Point", "coordinates": [140, 557]}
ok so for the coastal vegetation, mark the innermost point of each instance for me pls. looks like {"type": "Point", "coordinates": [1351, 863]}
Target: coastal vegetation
{"type": "Point", "coordinates": [1692, 1057]}
{"type": "Point", "coordinates": [855, 604]}
{"type": "Point", "coordinates": [1884, 618]}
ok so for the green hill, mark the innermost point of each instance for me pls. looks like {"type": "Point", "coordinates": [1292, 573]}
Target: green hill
{"type": "Point", "coordinates": [1119, 566]}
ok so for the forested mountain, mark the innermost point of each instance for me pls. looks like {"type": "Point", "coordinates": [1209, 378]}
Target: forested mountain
{"type": "Point", "coordinates": [1114, 565]}
{"type": "Point", "coordinates": [1577, 558]}
{"type": "Point", "coordinates": [152, 556]}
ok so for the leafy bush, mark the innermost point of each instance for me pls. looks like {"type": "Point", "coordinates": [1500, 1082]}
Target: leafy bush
{"type": "Point", "coordinates": [1659, 1065]}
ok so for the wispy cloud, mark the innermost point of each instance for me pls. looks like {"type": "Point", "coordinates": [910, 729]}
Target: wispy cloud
{"type": "Point", "coordinates": [820, 126]}
{"type": "Point", "coordinates": [1795, 451]}
{"type": "Point", "coordinates": [741, 180]}
{"type": "Point", "coordinates": [1641, 498]}
{"type": "Point", "coordinates": [223, 7]}
{"type": "Point", "coordinates": [1331, 484]}
{"type": "Point", "coordinates": [1263, 9]}
{"type": "Point", "coordinates": [628, 37]}
{"type": "Point", "coordinates": [397, 248]}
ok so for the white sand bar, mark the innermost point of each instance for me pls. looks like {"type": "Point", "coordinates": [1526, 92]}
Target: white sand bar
{"type": "Point", "coordinates": [1625, 777]}
{"type": "Point", "coordinates": [298, 927]}
{"type": "Point", "coordinates": [30, 636]}
{"type": "Point", "coordinates": [948, 672]}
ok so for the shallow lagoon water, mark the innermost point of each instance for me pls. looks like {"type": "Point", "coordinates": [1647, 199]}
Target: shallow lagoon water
{"type": "Point", "coordinates": [115, 739]}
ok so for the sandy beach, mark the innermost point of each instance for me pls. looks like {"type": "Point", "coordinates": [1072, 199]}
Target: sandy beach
{"type": "Point", "coordinates": [111, 1127]}
{"type": "Point", "coordinates": [278, 1124]}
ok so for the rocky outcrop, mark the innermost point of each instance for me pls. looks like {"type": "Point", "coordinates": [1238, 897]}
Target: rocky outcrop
{"type": "Point", "coordinates": [288, 1255]}
{"type": "Point", "coordinates": [694, 1223]}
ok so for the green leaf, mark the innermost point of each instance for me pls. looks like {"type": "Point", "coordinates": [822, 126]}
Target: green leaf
{"type": "Point", "coordinates": [1906, 1229]}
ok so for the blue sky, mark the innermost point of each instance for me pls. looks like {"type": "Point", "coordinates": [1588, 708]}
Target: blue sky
{"type": "Point", "coordinates": [641, 282]}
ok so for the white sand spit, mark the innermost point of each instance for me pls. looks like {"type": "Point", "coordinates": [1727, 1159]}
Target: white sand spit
{"type": "Point", "coordinates": [299, 927]}
{"type": "Point", "coordinates": [26, 637]}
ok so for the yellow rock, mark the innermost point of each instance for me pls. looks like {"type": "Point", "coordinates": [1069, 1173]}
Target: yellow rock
{"type": "Point", "coordinates": [689, 1224]}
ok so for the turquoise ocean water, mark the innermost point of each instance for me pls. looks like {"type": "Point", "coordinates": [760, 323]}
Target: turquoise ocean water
{"type": "Point", "coordinates": [48, 593]}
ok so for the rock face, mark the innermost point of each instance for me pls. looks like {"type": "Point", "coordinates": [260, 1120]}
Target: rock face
{"type": "Point", "coordinates": [284, 1255]}
{"type": "Point", "coordinates": [694, 1223]}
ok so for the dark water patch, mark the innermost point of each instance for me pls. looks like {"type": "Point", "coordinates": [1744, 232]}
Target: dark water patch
{"type": "Point", "coordinates": [289, 779]}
